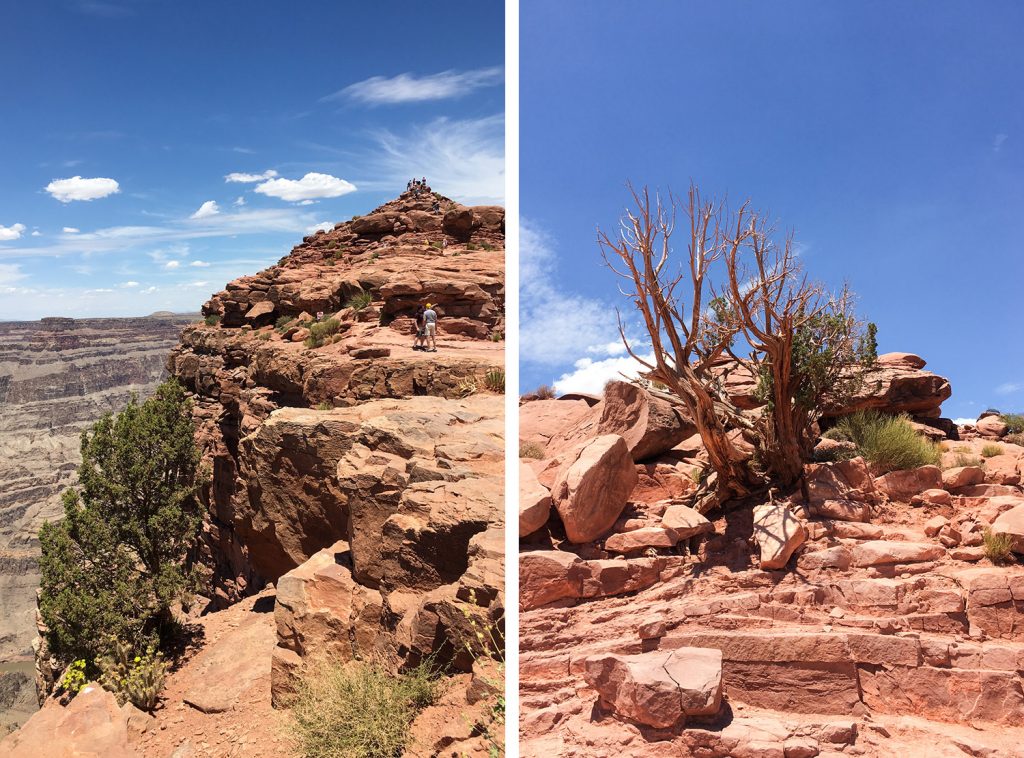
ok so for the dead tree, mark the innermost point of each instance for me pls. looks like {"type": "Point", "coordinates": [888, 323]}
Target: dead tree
{"type": "Point", "coordinates": [797, 340]}
{"type": "Point", "coordinates": [802, 341]}
{"type": "Point", "coordinates": [686, 342]}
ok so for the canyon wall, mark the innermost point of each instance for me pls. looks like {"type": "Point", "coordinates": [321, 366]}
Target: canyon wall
{"type": "Point", "coordinates": [58, 376]}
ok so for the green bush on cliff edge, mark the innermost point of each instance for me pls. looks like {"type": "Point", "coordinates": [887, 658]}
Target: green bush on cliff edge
{"type": "Point", "coordinates": [117, 562]}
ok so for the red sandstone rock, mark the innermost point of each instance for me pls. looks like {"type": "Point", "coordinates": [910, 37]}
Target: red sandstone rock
{"type": "Point", "coordinates": [659, 689]}
{"type": "Point", "coordinates": [549, 575]}
{"type": "Point", "coordinates": [685, 522]}
{"type": "Point", "coordinates": [1011, 523]}
{"type": "Point", "coordinates": [640, 539]}
{"type": "Point", "coordinates": [778, 533]}
{"type": "Point", "coordinates": [534, 502]}
{"type": "Point", "coordinates": [880, 552]}
{"type": "Point", "coordinates": [591, 489]}
{"type": "Point", "coordinates": [92, 725]}
{"type": "Point", "coordinates": [902, 485]}
{"type": "Point", "coordinates": [991, 427]}
{"type": "Point", "coordinates": [842, 480]}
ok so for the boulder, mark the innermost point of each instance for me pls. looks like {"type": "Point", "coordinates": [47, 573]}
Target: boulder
{"type": "Point", "coordinates": [1011, 523]}
{"type": "Point", "coordinates": [685, 522]}
{"type": "Point", "coordinates": [1003, 469]}
{"type": "Point", "coordinates": [902, 485]}
{"type": "Point", "coordinates": [261, 313]}
{"type": "Point", "coordinates": [962, 476]}
{"type": "Point", "coordinates": [459, 222]}
{"type": "Point", "coordinates": [842, 510]}
{"type": "Point", "coordinates": [650, 425]}
{"type": "Point", "coordinates": [932, 497]}
{"type": "Point", "coordinates": [992, 427]}
{"type": "Point", "coordinates": [659, 689]}
{"type": "Point", "coordinates": [546, 576]}
{"type": "Point", "coordinates": [841, 480]}
{"type": "Point", "coordinates": [778, 533]}
{"type": "Point", "coordinates": [591, 489]}
{"type": "Point", "coordinates": [641, 539]}
{"type": "Point", "coordinates": [91, 725]}
{"type": "Point", "coordinates": [540, 420]}
{"type": "Point", "coordinates": [534, 501]}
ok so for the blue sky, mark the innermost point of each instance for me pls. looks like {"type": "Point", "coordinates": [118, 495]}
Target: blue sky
{"type": "Point", "coordinates": [888, 136]}
{"type": "Point", "coordinates": [121, 122]}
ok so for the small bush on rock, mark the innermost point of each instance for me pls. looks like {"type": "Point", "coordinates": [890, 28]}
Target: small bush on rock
{"type": "Point", "coordinates": [889, 443]}
{"type": "Point", "coordinates": [283, 322]}
{"type": "Point", "coordinates": [997, 547]}
{"type": "Point", "coordinates": [1014, 422]}
{"type": "Point", "coordinates": [212, 320]}
{"type": "Point", "coordinates": [494, 380]}
{"type": "Point", "coordinates": [360, 301]}
{"type": "Point", "coordinates": [990, 451]}
{"type": "Point", "coordinates": [74, 677]}
{"type": "Point", "coordinates": [135, 679]}
{"type": "Point", "coordinates": [531, 450]}
{"type": "Point", "coordinates": [359, 709]}
{"type": "Point", "coordinates": [320, 331]}
{"type": "Point", "coordinates": [1015, 439]}
{"type": "Point", "coordinates": [963, 459]}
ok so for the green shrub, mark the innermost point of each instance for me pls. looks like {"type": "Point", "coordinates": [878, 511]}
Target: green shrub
{"type": "Point", "coordinates": [74, 677]}
{"type": "Point", "coordinates": [374, 256]}
{"type": "Point", "coordinates": [990, 451]}
{"type": "Point", "coordinates": [887, 442]}
{"type": "Point", "coordinates": [997, 546]}
{"type": "Point", "coordinates": [359, 709]}
{"type": "Point", "coordinates": [283, 322]}
{"type": "Point", "coordinates": [494, 380]}
{"type": "Point", "coordinates": [120, 559]}
{"type": "Point", "coordinates": [471, 246]}
{"type": "Point", "coordinates": [497, 336]}
{"type": "Point", "coordinates": [530, 450]}
{"type": "Point", "coordinates": [320, 331]}
{"type": "Point", "coordinates": [1015, 439]}
{"type": "Point", "coordinates": [544, 392]}
{"type": "Point", "coordinates": [135, 679]}
{"type": "Point", "coordinates": [488, 247]}
{"type": "Point", "coordinates": [212, 320]}
{"type": "Point", "coordinates": [963, 459]}
{"type": "Point", "coordinates": [324, 406]}
{"type": "Point", "coordinates": [360, 301]}
{"type": "Point", "coordinates": [1014, 422]}
{"type": "Point", "coordinates": [437, 245]}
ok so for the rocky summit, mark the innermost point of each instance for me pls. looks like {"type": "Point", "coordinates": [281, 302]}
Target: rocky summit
{"type": "Point", "coordinates": [57, 376]}
{"type": "Point", "coordinates": [354, 501]}
{"type": "Point", "coordinates": [861, 614]}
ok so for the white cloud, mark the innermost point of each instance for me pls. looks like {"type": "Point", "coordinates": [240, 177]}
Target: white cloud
{"type": "Point", "coordinates": [77, 188]}
{"type": "Point", "coordinates": [207, 209]}
{"type": "Point", "coordinates": [239, 202]}
{"type": "Point", "coordinates": [11, 232]}
{"type": "Point", "coordinates": [70, 230]}
{"type": "Point", "coordinates": [557, 327]}
{"type": "Point", "coordinates": [998, 140]}
{"type": "Point", "coordinates": [1008, 388]}
{"type": "Point", "coordinates": [965, 421]}
{"type": "Point", "coordinates": [461, 159]}
{"type": "Point", "coordinates": [312, 185]}
{"type": "Point", "coordinates": [243, 178]}
{"type": "Point", "coordinates": [10, 273]}
{"type": "Point", "coordinates": [36, 233]}
{"type": "Point", "coordinates": [147, 291]}
{"type": "Point", "coordinates": [199, 264]}
{"type": "Point", "coordinates": [323, 225]}
{"type": "Point", "coordinates": [199, 284]}
{"type": "Point", "coordinates": [590, 376]}
{"type": "Point", "coordinates": [170, 265]}
{"type": "Point", "coordinates": [129, 285]}
{"type": "Point", "coordinates": [409, 88]}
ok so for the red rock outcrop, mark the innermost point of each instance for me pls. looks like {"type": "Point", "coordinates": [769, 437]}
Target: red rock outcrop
{"type": "Point", "coordinates": [858, 616]}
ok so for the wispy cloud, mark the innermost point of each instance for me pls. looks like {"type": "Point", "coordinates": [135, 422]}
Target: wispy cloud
{"type": "Point", "coordinates": [559, 327]}
{"type": "Point", "coordinates": [126, 238]}
{"type": "Point", "coordinates": [10, 273]}
{"type": "Point", "coordinates": [1009, 388]}
{"type": "Point", "coordinates": [998, 141]}
{"type": "Point", "coordinates": [77, 188]}
{"type": "Point", "coordinates": [464, 159]}
{"type": "Point", "coordinates": [71, 230]}
{"type": "Point", "coordinates": [243, 178]}
{"type": "Point", "coordinates": [410, 88]}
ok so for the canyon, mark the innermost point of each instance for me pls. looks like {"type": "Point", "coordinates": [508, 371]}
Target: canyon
{"type": "Point", "coordinates": [57, 376]}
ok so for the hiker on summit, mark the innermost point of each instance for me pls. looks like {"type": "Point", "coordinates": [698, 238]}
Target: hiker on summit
{"type": "Point", "coordinates": [421, 331]}
{"type": "Point", "coordinates": [430, 323]}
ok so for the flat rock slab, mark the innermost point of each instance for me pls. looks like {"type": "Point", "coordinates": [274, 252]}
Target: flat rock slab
{"type": "Point", "coordinates": [230, 666]}
{"type": "Point", "coordinates": [882, 552]}
{"type": "Point", "coordinates": [660, 688]}
{"type": "Point", "coordinates": [640, 539]}
{"type": "Point", "coordinates": [685, 522]}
